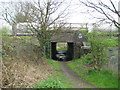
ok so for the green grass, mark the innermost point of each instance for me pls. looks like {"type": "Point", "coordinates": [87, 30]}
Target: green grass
{"type": "Point", "coordinates": [51, 82]}
{"type": "Point", "coordinates": [57, 80]}
{"type": "Point", "coordinates": [53, 63]}
{"type": "Point", "coordinates": [109, 42]}
{"type": "Point", "coordinates": [61, 49]}
{"type": "Point", "coordinates": [61, 46]}
{"type": "Point", "coordinates": [100, 79]}
{"type": "Point", "coordinates": [112, 42]}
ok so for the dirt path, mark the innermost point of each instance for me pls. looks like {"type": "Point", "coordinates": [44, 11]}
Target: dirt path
{"type": "Point", "coordinates": [74, 78]}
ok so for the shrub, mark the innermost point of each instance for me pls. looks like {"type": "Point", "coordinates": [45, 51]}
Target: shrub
{"type": "Point", "coordinates": [98, 55]}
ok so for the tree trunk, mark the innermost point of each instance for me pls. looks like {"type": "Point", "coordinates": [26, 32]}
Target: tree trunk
{"type": "Point", "coordinates": [14, 29]}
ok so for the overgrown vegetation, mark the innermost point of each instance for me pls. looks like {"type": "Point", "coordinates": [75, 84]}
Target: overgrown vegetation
{"type": "Point", "coordinates": [99, 42]}
{"type": "Point", "coordinates": [21, 66]}
{"type": "Point", "coordinates": [90, 66]}
{"type": "Point", "coordinates": [97, 57]}
{"type": "Point", "coordinates": [21, 69]}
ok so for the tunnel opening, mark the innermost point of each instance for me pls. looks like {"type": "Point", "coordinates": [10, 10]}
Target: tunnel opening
{"type": "Point", "coordinates": [62, 51]}
{"type": "Point", "coordinates": [61, 46]}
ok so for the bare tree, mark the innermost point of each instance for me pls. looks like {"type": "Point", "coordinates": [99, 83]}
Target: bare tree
{"type": "Point", "coordinates": [15, 12]}
{"type": "Point", "coordinates": [109, 11]}
{"type": "Point", "coordinates": [40, 17]}
{"type": "Point", "coordinates": [7, 14]}
{"type": "Point", "coordinates": [46, 13]}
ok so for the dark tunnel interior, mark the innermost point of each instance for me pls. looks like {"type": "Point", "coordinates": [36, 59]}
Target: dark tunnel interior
{"type": "Point", "coordinates": [62, 55]}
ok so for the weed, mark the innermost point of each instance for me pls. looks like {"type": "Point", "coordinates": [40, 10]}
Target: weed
{"type": "Point", "coordinates": [52, 82]}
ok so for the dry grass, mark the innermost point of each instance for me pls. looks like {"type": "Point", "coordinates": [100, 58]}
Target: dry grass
{"type": "Point", "coordinates": [16, 73]}
{"type": "Point", "coordinates": [22, 67]}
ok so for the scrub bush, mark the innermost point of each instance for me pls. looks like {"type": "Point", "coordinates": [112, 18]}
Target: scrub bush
{"type": "Point", "coordinates": [98, 55]}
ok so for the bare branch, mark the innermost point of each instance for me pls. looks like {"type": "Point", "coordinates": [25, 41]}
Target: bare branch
{"type": "Point", "coordinates": [101, 8]}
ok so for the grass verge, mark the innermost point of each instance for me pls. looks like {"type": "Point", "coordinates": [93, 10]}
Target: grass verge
{"type": "Point", "coordinates": [57, 80]}
{"type": "Point", "coordinates": [100, 79]}
{"type": "Point", "coordinates": [110, 42]}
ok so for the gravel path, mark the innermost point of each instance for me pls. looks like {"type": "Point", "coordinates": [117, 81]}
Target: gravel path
{"type": "Point", "coordinates": [74, 78]}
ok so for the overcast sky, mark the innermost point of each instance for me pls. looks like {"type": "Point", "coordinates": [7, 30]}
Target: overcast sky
{"type": "Point", "coordinates": [75, 10]}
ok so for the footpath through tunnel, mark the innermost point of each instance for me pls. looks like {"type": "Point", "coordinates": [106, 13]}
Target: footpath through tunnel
{"type": "Point", "coordinates": [62, 51]}
{"type": "Point", "coordinates": [74, 46]}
